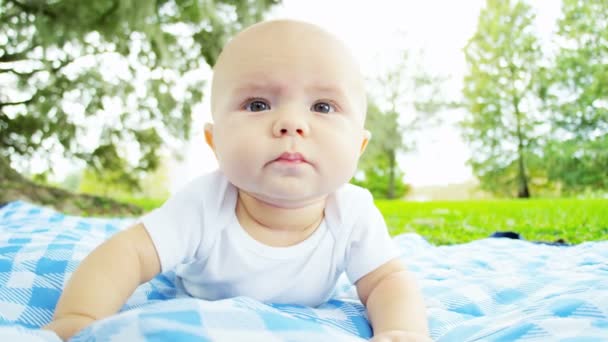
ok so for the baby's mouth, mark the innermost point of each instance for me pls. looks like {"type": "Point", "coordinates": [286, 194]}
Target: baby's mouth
{"type": "Point", "coordinates": [291, 158]}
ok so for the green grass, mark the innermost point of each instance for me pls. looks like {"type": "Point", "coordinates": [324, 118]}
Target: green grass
{"type": "Point", "coordinates": [454, 222]}
{"type": "Point", "coordinates": [538, 219]}
{"type": "Point", "coordinates": [146, 204]}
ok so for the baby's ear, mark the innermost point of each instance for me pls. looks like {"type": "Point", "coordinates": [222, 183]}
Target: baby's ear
{"type": "Point", "coordinates": [209, 135]}
{"type": "Point", "coordinates": [367, 136]}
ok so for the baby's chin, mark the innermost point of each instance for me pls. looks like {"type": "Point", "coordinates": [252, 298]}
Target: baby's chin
{"type": "Point", "coordinates": [285, 196]}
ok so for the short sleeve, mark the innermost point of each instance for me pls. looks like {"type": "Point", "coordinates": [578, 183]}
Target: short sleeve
{"type": "Point", "coordinates": [370, 246]}
{"type": "Point", "coordinates": [176, 227]}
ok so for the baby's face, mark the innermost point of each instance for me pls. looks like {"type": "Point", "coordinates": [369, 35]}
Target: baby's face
{"type": "Point", "coordinates": [289, 106]}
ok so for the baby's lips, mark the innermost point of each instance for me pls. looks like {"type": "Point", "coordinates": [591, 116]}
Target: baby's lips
{"type": "Point", "coordinates": [292, 156]}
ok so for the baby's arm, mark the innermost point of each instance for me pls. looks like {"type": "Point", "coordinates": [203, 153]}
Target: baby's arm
{"type": "Point", "coordinates": [104, 280]}
{"type": "Point", "coordinates": [394, 303]}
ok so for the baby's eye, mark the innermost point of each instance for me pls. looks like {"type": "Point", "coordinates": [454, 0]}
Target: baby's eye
{"type": "Point", "coordinates": [257, 106]}
{"type": "Point", "coordinates": [323, 107]}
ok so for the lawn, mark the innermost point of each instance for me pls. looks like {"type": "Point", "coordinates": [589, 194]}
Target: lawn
{"type": "Point", "coordinates": [146, 204]}
{"type": "Point", "coordinates": [454, 222]}
{"type": "Point", "coordinates": [573, 220]}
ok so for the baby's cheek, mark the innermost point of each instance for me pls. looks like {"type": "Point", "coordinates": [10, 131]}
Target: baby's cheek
{"type": "Point", "coordinates": [233, 142]}
{"type": "Point", "coordinates": [341, 157]}
{"type": "Point", "coordinates": [241, 157]}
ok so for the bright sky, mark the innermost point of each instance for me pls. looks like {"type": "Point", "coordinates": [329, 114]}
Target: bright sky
{"type": "Point", "coordinates": [374, 30]}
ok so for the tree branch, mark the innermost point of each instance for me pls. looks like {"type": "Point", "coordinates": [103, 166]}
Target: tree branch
{"type": "Point", "coordinates": [21, 74]}
{"type": "Point", "coordinates": [14, 57]}
{"type": "Point", "coordinates": [37, 94]}
{"type": "Point", "coordinates": [62, 65]}
{"type": "Point", "coordinates": [16, 103]}
{"type": "Point", "coordinates": [30, 73]}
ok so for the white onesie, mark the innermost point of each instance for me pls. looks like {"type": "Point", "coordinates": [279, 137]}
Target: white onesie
{"type": "Point", "coordinates": [197, 234]}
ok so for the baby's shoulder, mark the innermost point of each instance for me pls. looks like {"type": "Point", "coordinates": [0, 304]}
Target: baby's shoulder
{"type": "Point", "coordinates": [352, 196]}
{"type": "Point", "coordinates": [209, 193]}
{"type": "Point", "coordinates": [347, 206]}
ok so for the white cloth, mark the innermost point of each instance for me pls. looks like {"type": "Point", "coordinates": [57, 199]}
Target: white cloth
{"type": "Point", "coordinates": [196, 233]}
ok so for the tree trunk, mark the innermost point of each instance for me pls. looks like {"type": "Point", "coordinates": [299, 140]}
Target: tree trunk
{"type": "Point", "coordinates": [523, 190]}
{"type": "Point", "coordinates": [390, 193]}
{"type": "Point", "coordinates": [14, 187]}
{"type": "Point", "coordinates": [522, 179]}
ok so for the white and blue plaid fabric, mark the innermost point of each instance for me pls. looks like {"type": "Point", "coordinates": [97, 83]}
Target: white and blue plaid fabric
{"type": "Point", "coordinates": [486, 290]}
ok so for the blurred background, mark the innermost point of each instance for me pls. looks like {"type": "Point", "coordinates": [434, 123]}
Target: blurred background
{"type": "Point", "coordinates": [486, 115]}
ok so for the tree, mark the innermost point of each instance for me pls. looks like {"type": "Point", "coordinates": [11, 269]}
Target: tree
{"type": "Point", "coordinates": [406, 99]}
{"type": "Point", "coordinates": [382, 176]}
{"type": "Point", "coordinates": [503, 125]}
{"type": "Point", "coordinates": [577, 96]}
{"type": "Point", "coordinates": [87, 79]}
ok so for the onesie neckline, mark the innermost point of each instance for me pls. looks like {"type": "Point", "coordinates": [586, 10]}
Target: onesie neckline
{"type": "Point", "coordinates": [273, 252]}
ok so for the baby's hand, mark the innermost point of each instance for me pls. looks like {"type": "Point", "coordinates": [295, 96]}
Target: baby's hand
{"type": "Point", "coordinates": [66, 327]}
{"type": "Point", "coordinates": [400, 336]}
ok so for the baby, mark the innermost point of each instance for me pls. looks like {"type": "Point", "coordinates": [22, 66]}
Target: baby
{"type": "Point", "coordinates": [278, 221]}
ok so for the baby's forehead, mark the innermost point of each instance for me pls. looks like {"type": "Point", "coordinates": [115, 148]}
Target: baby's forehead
{"type": "Point", "coordinates": [281, 55]}
{"type": "Point", "coordinates": [282, 83]}
{"type": "Point", "coordinates": [285, 40]}
{"type": "Point", "coordinates": [283, 32]}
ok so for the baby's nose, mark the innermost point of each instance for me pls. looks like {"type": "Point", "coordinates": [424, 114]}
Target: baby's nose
{"type": "Point", "coordinates": [290, 126]}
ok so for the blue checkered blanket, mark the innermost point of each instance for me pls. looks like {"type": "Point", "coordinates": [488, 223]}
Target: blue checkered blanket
{"type": "Point", "coordinates": [486, 290]}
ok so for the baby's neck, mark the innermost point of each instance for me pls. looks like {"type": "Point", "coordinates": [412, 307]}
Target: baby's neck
{"type": "Point", "coordinates": [278, 226]}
